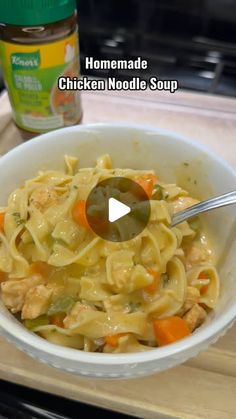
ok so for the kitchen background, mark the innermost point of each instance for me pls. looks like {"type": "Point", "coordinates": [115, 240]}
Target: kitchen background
{"type": "Point", "coordinates": [193, 41]}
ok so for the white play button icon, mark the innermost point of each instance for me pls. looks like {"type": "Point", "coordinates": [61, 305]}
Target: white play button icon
{"type": "Point", "coordinates": [117, 210]}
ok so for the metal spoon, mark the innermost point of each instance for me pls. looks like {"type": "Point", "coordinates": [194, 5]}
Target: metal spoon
{"type": "Point", "coordinates": [210, 204]}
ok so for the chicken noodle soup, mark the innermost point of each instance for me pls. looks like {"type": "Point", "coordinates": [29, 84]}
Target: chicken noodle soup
{"type": "Point", "coordinates": [75, 289]}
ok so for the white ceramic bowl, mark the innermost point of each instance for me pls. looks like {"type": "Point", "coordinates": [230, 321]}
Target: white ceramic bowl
{"type": "Point", "coordinates": [135, 147]}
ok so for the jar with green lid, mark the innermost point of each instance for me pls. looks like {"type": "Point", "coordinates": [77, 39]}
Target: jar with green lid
{"type": "Point", "coordinates": [39, 43]}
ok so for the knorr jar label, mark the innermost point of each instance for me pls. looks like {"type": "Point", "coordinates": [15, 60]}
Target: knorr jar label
{"type": "Point", "coordinates": [31, 73]}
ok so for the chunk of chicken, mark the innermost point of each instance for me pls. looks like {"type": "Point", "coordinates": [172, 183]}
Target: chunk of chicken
{"type": "Point", "coordinates": [183, 202]}
{"type": "Point", "coordinates": [192, 297]}
{"type": "Point", "coordinates": [43, 197]}
{"type": "Point", "coordinates": [37, 301]}
{"type": "Point", "coordinates": [195, 255]}
{"type": "Point", "coordinates": [195, 317]}
{"type": "Point", "coordinates": [13, 291]}
{"type": "Point", "coordinates": [73, 317]}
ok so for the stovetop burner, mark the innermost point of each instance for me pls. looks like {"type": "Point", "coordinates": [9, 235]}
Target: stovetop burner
{"type": "Point", "coordinates": [194, 43]}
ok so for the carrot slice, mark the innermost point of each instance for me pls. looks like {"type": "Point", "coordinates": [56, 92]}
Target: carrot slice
{"type": "Point", "coordinates": [113, 340]}
{"type": "Point", "coordinates": [3, 276]}
{"type": "Point", "coordinates": [2, 219]}
{"type": "Point", "coordinates": [202, 275]}
{"type": "Point", "coordinates": [151, 289]}
{"type": "Point", "coordinates": [170, 329]}
{"type": "Point", "coordinates": [99, 223]}
{"type": "Point", "coordinates": [41, 268]}
{"type": "Point", "coordinates": [79, 214]}
{"type": "Point", "coordinates": [147, 182]}
{"type": "Point", "coordinates": [204, 289]}
{"type": "Point", "coordinates": [57, 319]}
{"type": "Point", "coordinates": [153, 177]}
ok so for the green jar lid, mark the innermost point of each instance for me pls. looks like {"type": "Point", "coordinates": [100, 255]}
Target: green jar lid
{"type": "Point", "coordinates": [35, 12]}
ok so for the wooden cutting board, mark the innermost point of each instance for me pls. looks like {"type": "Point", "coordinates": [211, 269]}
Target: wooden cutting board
{"type": "Point", "coordinates": [203, 387]}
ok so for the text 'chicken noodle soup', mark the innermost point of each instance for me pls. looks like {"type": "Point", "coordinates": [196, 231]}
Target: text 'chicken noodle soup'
{"type": "Point", "coordinates": [75, 289]}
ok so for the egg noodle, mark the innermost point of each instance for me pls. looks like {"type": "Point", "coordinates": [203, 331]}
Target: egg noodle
{"type": "Point", "coordinates": [77, 290]}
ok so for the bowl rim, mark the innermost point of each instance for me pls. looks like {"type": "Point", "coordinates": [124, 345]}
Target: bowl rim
{"type": "Point", "coordinates": [20, 334]}
{"type": "Point", "coordinates": [122, 126]}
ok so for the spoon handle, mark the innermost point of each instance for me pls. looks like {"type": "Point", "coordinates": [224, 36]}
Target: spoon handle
{"type": "Point", "coordinates": [218, 201]}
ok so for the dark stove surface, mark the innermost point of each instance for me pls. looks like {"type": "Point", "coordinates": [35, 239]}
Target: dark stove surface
{"type": "Point", "coordinates": [18, 402]}
{"type": "Point", "coordinates": [194, 42]}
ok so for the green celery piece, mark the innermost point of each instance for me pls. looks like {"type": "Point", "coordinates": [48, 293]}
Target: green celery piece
{"type": "Point", "coordinates": [39, 321]}
{"type": "Point", "coordinates": [134, 306]}
{"type": "Point", "coordinates": [158, 193]}
{"type": "Point", "coordinates": [61, 305]}
{"type": "Point", "coordinates": [140, 210]}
